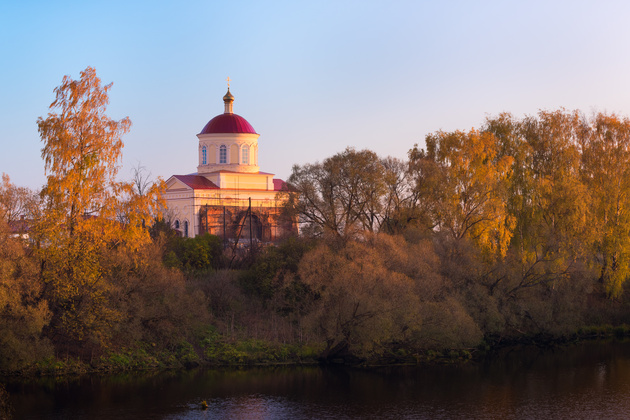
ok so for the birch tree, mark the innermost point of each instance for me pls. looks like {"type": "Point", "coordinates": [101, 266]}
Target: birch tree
{"type": "Point", "coordinates": [82, 152]}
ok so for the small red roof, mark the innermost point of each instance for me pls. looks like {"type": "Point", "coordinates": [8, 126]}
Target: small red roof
{"type": "Point", "coordinates": [197, 182]}
{"type": "Point", "coordinates": [279, 185]}
{"type": "Point", "coordinates": [228, 123]}
{"type": "Point", "coordinates": [221, 171]}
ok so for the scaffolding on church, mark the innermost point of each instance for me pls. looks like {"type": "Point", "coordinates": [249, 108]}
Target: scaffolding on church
{"type": "Point", "coordinates": [241, 224]}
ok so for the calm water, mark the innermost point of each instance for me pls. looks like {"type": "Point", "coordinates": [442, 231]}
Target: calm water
{"type": "Point", "coordinates": [589, 381]}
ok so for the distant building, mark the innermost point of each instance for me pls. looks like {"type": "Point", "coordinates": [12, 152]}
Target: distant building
{"type": "Point", "coordinates": [216, 199]}
{"type": "Point", "coordinates": [19, 228]}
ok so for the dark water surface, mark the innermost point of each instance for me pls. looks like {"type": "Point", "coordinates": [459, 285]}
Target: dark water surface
{"type": "Point", "coordinates": [586, 381]}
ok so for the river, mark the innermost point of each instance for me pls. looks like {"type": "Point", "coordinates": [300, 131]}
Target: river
{"type": "Point", "coordinates": [584, 381]}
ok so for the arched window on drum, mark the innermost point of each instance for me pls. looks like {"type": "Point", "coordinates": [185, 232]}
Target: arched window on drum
{"type": "Point", "coordinates": [245, 155]}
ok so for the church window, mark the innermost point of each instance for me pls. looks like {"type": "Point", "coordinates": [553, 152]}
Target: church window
{"type": "Point", "coordinates": [185, 228]}
{"type": "Point", "coordinates": [245, 155]}
{"type": "Point", "coordinates": [204, 155]}
{"type": "Point", "coordinates": [223, 154]}
{"type": "Point", "coordinates": [177, 224]}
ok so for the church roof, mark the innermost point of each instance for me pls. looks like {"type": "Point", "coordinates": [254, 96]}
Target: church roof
{"type": "Point", "coordinates": [237, 172]}
{"type": "Point", "coordinates": [279, 185]}
{"type": "Point", "coordinates": [228, 123]}
{"type": "Point", "coordinates": [197, 182]}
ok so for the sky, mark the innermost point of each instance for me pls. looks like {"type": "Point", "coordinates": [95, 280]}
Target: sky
{"type": "Point", "coordinates": [312, 77]}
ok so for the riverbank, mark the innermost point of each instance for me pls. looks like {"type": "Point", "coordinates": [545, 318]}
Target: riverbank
{"type": "Point", "coordinates": [217, 351]}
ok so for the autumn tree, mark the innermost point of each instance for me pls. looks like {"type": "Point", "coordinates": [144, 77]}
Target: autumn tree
{"type": "Point", "coordinates": [82, 150]}
{"type": "Point", "coordinates": [23, 312]}
{"type": "Point", "coordinates": [511, 142]}
{"type": "Point", "coordinates": [341, 196]}
{"type": "Point", "coordinates": [605, 166]}
{"type": "Point", "coordinates": [553, 203]}
{"type": "Point", "coordinates": [464, 181]}
{"type": "Point", "coordinates": [559, 200]}
{"type": "Point", "coordinates": [141, 200]}
{"type": "Point", "coordinates": [363, 306]}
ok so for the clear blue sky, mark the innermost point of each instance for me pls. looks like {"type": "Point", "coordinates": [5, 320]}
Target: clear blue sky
{"type": "Point", "coordinates": [311, 77]}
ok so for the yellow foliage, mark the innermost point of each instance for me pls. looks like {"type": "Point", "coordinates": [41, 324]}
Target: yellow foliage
{"type": "Point", "coordinates": [606, 166]}
{"type": "Point", "coordinates": [88, 211]}
{"type": "Point", "coordinates": [466, 178]}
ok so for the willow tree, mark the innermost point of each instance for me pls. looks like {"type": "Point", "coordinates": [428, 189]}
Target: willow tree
{"type": "Point", "coordinates": [82, 151]}
{"type": "Point", "coordinates": [464, 179]}
{"type": "Point", "coordinates": [559, 198]}
{"type": "Point", "coordinates": [549, 200]}
{"type": "Point", "coordinates": [605, 168]}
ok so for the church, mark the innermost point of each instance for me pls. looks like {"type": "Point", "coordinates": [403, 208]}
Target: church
{"type": "Point", "coordinates": [229, 196]}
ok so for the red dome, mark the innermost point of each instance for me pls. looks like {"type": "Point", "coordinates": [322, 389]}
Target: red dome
{"type": "Point", "coordinates": [228, 123]}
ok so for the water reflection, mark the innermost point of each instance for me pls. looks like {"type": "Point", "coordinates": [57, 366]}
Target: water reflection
{"type": "Point", "coordinates": [582, 382]}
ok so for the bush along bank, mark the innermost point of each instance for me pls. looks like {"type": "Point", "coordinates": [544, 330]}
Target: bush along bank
{"type": "Point", "coordinates": [384, 299]}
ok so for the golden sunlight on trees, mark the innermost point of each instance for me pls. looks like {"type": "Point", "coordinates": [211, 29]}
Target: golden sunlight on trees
{"type": "Point", "coordinates": [381, 292]}
{"type": "Point", "coordinates": [528, 220]}
{"type": "Point", "coordinates": [606, 173]}
{"type": "Point", "coordinates": [559, 203]}
{"type": "Point", "coordinates": [546, 197]}
{"type": "Point", "coordinates": [516, 229]}
{"type": "Point", "coordinates": [82, 150]}
{"type": "Point", "coordinates": [139, 203]}
{"type": "Point", "coordinates": [23, 314]}
{"type": "Point", "coordinates": [444, 321]}
{"type": "Point", "coordinates": [466, 181]}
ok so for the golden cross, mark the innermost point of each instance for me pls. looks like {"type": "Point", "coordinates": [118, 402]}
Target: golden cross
{"type": "Point", "coordinates": [228, 80]}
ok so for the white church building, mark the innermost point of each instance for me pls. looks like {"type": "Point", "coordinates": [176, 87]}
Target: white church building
{"type": "Point", "coordinates": [228, 196]}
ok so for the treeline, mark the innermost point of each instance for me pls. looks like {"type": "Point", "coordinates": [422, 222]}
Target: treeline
{"type": "Point", "coordinates": [515, 229]}
{"type": "Point", "coordinates": [549, 193]}
{"type": "Point", "coordinates": [519, 227]}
